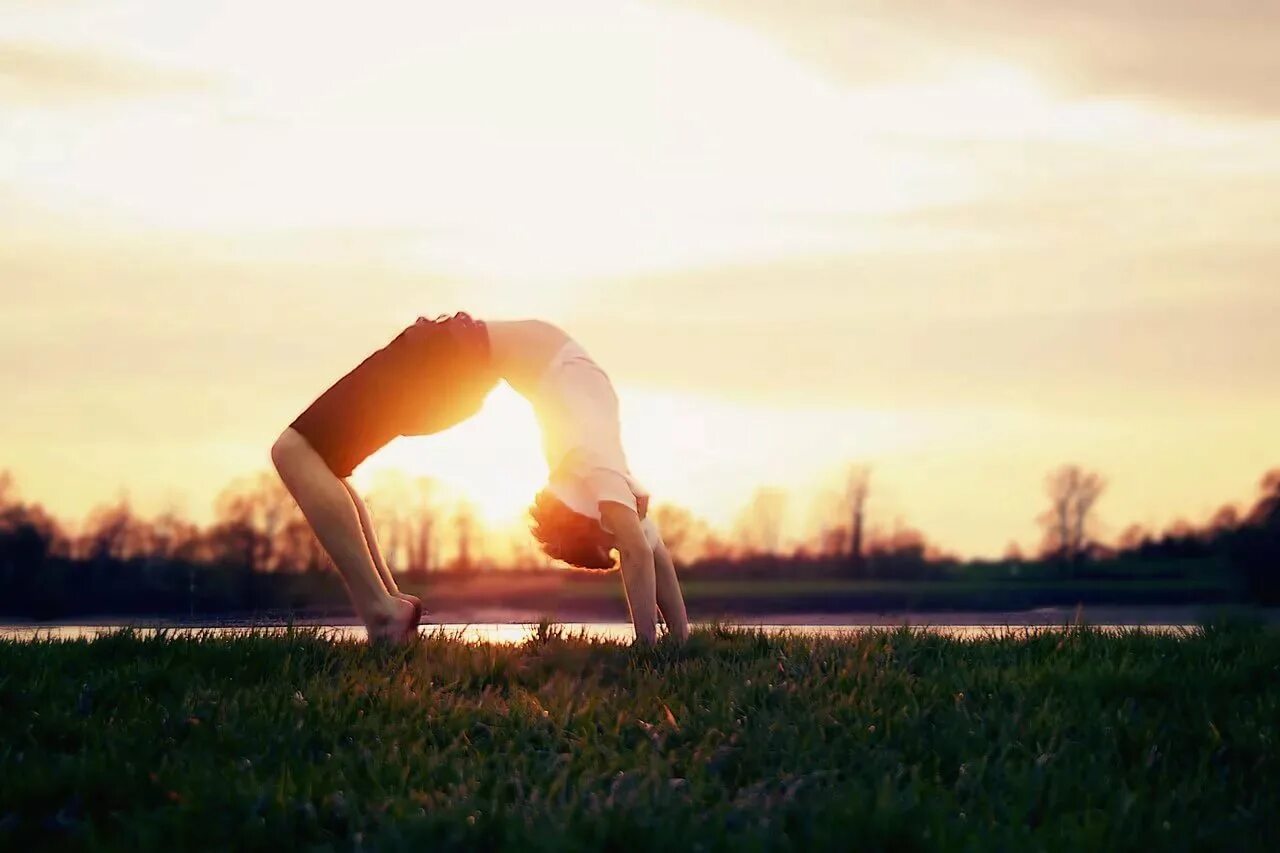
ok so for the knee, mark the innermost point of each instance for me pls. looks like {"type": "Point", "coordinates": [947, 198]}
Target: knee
{"type": "Point", "coordinates": [287, 448]}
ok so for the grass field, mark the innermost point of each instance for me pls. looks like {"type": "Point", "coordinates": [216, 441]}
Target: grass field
{"type": "Point", "coordinates": [891, 740]}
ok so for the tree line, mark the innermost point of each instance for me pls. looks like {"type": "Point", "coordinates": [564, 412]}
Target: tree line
{"type": "Point", "coordinates": [259, 552]}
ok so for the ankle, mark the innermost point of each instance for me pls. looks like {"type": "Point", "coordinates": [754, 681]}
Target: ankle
{"type": "Point", "coordinates": [382, 612]}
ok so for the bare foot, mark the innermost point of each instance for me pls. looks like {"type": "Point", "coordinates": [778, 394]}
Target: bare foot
{"type": "Point", "coordinates": [417, 605]}
{"type": "Point", "coordinates": [399, 625]}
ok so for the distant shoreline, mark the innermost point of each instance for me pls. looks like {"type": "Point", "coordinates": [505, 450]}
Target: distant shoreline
{"type": "Point", "coordinates": [1040, 616]}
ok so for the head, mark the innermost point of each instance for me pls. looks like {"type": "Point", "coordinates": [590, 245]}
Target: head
{"type": "Point", "coordinates": [570, 536]}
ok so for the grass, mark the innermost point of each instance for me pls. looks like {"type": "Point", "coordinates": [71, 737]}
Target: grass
{"type": "Point", "coordinates": [738, 741]}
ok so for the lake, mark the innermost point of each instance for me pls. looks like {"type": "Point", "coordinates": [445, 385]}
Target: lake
{"type": "Point", "coordinates": [519, 632]}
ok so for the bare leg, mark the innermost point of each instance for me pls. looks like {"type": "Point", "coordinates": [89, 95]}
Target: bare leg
{"type": "Point", "coordinates": [329, 509]}
{"type": "Point", "coordinates": [371, 539]}
{"type": "Point", "coordinates": [670, 599]}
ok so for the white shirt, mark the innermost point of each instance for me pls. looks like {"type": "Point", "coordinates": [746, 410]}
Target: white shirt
{"type": "Point", "coordinates": [577, 410]}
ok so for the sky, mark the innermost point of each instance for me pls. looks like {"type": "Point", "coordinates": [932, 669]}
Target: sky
{"type": "Point", "coordinates": [959, 243]}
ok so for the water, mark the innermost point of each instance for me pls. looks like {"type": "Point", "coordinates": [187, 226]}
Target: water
{"type": "Point", "coordinates": [516, 632]}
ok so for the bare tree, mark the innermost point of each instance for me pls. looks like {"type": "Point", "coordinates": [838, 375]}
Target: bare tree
{"type": "Point", "coordinates": [857, 489]}
{"type": "Point", "coordinates": [113, 532]}
{"type": "Point", "coordinates": [299, 549]}
{"type": "Point", "coordinates": [28, 535]}
{"type": "Point", "coordinates": [1180, 530]}
{"type": "Point", "coordinates": [423, 524]}
{"type": "Point", "coordinates": [760, 523]}
{"type": "Point", "coordinates": [261, 509]}
{"type": "Point", "coordinates": [1069, 522]}
{"type": "Point", "coordinates": [1226, 519]}
{"type": "Point", "coordinates": [1267, 509]}
{"type": "Point", "coordinates": [684, 533]}
{"type": "Point", "coordinates": [404, 515]}
{"type": "Point", "coordinates": [172, 537]}
{"type": "Point", "coordinates": [464, 525]}
{"type": "Point", "coordinates": [901, 539]}
{"type": "Point", "coordinates": [1133, 538]}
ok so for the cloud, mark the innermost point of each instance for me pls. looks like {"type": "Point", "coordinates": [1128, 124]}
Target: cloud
{"type": "Point", "coordinates": [1208, 57]}
{"type": "Point", "coordinates": [1113, 329]}
{"type": "Point", "coordinates": [39, 74]}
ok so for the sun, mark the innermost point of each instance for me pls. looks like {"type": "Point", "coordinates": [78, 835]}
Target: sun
{"type": "Point", "coordinates": [493, 461]}
{"type": "Point", "coordinates": [687, 449]}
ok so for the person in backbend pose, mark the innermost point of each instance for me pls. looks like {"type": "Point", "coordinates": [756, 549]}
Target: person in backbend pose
{"type": "Point", "coordinates": [437, 373]}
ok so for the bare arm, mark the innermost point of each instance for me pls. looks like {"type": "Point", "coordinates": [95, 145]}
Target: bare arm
{"type": "Point", "coordinates": [670, 599]}
{"type": "Point", "coordinates": [637, 562]}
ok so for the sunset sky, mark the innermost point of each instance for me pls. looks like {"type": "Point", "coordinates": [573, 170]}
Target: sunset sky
{"type": "Point", "coordinates": [960, 242]}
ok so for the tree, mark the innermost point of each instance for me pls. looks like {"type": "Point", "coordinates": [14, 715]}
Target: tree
{"type": "Point", "coordinates": [832, 541]}
{"type": "Point", "coordinates": [113, 532]}
{"type": "Point", "coordinates": [298, 549]}
{"type": "Point", "coordinates": [256, 511]}
{"type": "Point", "coordinates": [1133, 538]}
{"type": "Point", "coordinates": [903, 552]}
{"type": "Point", "coordinates": [27, 534]}
{"type": "Point", "coordinates": [760, 523]}
{"type": "Point", "coordinates": [684, 533]}
{"type": "Point", "coordinates": [404, 515]}
{"type": "Point", "coordinates": [857, 488]}
{"type": "Point", "coordinates": [464, 525]}
{"type": "Point", "coordinates": [1070, 520]}
{"type": "Point", "coordinates": [1255, 545]}
{"type": "Point", "coordinates": [716, 547]}
{"type": "Point", "coordinates": [1225, 520]}
{"type": "Point", "coordinates": [1267, 510]}
{"type": "Point", "coordinates": [902, 540]}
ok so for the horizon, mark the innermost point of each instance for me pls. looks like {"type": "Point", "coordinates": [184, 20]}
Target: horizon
{"type": "Point", "coordinates": [959, 250]}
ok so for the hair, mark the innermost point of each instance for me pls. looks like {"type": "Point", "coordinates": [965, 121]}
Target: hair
{"type": "Point", "coordinates": [577, 539]}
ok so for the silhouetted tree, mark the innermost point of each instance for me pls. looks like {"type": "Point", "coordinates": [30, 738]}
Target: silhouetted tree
{"type": "Point", "coordinates": [1133, 538]}
{"type": "Point", "coordinates": [1225, 520]}
{"type": "Point", "coordinates": [832, 541]}
{"type": "Point", "coordinates": [404, 515]}
{"type": "Point", "coordinates": [901, 553]}
{"type": "Point", "coordinates": [1266, 512]}
{"type": "Point", "coordinates": [684, 533]}
{"type": "Point", "coordinates": [113, 532]}
{"type": "Point", "coordinates": [297, 548]}
{"type": "Point", "coordinates": [716, 547]}
{"type": "Point", "coordinates": [27, 536]}
{"type": "Point", "coordinates": [1069, 522]}
{"type": "Point", "coordinates": [857, 488]}
{"type": "Point", "coordinates": [257, 510]}
{"type": "Point", "coordinates": [1255, 546]}
{"type": "Point", "coordinates": [172, 537]}
{"type": "Point", "coordinates": [759, 526]}
{"type": "Point", "coordinates": [464, 525]}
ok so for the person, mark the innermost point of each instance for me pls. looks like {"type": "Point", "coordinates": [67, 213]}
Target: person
{"type": "Point", "coordinates": [437, 373]}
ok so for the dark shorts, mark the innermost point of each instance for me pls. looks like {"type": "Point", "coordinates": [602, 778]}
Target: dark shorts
{"type": "Point", "coordinates": [435, 374]}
